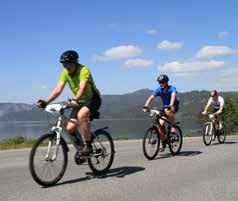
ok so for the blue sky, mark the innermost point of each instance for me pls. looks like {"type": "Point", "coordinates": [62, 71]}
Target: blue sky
{"type": "Point", "coordinates": [126, 44]}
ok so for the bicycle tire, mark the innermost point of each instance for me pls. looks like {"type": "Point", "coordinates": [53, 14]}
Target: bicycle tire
{"type": "Point", "coordinates": [32, 167]}
{"type": "Point", "coordinates": [205, 141]}
{"type": "Point", "coordinates": [220, 140]}
{"type": "Point", "coordinates": [156, 146]}
{"type": "Point", "coordinates": [180, 136]}
{"type": "Point", "coordinates": [97, 147]}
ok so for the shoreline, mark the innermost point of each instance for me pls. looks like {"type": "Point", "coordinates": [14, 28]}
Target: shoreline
{"type": "Point", "coordinates": [24, 145]}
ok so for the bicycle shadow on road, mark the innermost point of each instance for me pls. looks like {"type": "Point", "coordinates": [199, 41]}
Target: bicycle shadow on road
{"type": "Point", "coordinates": [182, 153]}
{"type": "Point", "coordinates": [70, 181]}
{"type": "Point", "coordinates": [119, 172]}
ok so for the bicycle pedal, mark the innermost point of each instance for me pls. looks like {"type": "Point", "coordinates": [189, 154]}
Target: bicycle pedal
{"type": "Point", "coordinates": [79, 159]}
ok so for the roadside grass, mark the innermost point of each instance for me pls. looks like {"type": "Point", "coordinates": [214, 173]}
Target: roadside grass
{"type": "Point", "coordinates": [121, 138]}
{"type": "Point", "coordinates": [234, 133]}
{"type": "Point", "coordinates": [186, 135]}
{"type": "Point", "coordinates": [16, 142]}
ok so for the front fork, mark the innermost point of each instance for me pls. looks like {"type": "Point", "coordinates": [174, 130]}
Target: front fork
{"type": "Point", "coordinates": [55, 130]}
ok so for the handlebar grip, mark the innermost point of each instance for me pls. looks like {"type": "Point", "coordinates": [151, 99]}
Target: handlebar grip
{"type": "Point", "coordinates": [42, 103]}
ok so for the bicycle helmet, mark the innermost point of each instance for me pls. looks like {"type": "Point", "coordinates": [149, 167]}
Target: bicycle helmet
{"type": "Point", "coordinates": [69, 56]}
{"type": "Point", "coordinates": [163, 79]}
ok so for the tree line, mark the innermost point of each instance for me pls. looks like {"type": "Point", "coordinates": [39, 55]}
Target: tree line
{"type": "Point", "coordinates": [231, 114]}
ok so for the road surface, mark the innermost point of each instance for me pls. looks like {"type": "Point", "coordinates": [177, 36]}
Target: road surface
{"type": "Point", "coordinates": [199, 173]}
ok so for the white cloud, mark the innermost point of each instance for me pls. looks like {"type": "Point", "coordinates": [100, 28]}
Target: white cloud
{"type": "Point", "coordinates": [192, 66]}
{"type": "Point", "coordinates": [151, 32]}
{"type": "Point", "coordinates": [228, 79]}
{"type": "Point", "coordinates": [215, 51]}
{"type": "Point", "coordinates": [223, 34]}
{"type": "Point", "coordinates": [139, 63]}
{"type": "Point", "coordinates": [120, 52]}
{"type": "Point", "coordinates": [169, 45]}
{"type": "Point", "coordinates": [230, 72]}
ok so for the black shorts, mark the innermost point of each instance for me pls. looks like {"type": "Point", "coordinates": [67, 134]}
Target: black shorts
{"type": "Point", "coordinates": [93, 105]}
{"type": "Point", "coordinates": [176, 108]}
{"type": "Point", "coordinates": [215, 110]}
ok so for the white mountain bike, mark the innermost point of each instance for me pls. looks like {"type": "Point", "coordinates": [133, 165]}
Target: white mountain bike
{"type": "Point", "coordinates": [49, 155]}
{"type": "Point", "coordinates": [213, 130]}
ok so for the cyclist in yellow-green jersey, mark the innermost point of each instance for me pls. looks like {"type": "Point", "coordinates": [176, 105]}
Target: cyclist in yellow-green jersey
{"type": "Point", "coordinates": [86, 100]}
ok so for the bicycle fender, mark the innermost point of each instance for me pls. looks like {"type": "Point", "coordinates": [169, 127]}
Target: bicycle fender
{"type": "Point", "coordinates": [100, 129]}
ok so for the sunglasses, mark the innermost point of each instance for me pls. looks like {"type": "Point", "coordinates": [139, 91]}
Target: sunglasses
{"type": "Point", "coordinates": [68, 65]}
{"type": "Point", "coordinates": [162, 82]}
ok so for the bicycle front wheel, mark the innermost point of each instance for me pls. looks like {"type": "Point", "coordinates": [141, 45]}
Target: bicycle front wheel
{"type": "Point", "coordinates": [208, 134]}
{"type": "Point", "coordinates": [151, 143]}
{"type": "Point", "coordinates": [175, 141]}
{"type": "Point", "coordinates": [47, 164]}
{"type": "Point", "coordinates": [103, 152]}
{"type": "Point", "coordinates": [222, 134]}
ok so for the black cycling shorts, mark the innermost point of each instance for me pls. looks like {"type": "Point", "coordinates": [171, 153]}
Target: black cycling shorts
{"type": "Point", "coordinates": [176, 108]}
{"type": "Point", "coordinates": [93, 105]}
{"type": "Point", "coordinates": [215, 110]}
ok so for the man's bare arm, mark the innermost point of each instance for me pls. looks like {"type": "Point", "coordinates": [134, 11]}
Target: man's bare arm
{"type": "Point", "coordinates": [56, 92]}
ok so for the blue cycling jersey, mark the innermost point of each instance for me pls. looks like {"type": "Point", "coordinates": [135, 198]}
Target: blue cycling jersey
{"type": "Point", "coordinates": [165, 95]}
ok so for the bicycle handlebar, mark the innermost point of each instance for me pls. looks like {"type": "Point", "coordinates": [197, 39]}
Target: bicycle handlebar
{"type": "Point", "coordinates": [210, 115]}
{"type": "Point", "coordinates": [154, 112]}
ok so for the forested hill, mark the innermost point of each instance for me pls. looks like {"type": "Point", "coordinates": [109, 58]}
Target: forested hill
{"type": "Point", "coordinates": [121, 107]}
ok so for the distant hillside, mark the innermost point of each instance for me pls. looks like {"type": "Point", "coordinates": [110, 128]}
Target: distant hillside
{"type": "Point", "coordinates": [6, 108]}
{"type": "Point", "coordinates": [120, 107]}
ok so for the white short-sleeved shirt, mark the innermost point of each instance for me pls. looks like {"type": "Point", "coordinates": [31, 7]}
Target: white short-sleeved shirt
{"type": "Point", "coordinates": [216, 104]}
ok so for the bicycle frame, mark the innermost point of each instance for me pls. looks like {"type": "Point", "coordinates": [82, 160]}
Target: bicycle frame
{"type": "Point", "coordinates": [212, 122]}
{"type": "Point", "coordinates": [60, 125]}
{"type": "Point", "coordinates": [159, 115]}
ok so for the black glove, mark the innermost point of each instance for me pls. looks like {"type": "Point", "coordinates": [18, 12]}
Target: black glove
{"type": "Point", "coordinates": [146, 108]}
{"type": "Point", "coordinates": [170, 107]}
{"type": "Point", "coordinates": [42, 104]}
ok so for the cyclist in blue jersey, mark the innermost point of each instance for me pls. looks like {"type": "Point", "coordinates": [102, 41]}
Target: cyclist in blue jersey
{"type": "Point", "coordinates": [168, 94]}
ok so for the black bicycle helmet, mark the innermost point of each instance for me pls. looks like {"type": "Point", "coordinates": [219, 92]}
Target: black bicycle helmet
{"type": "Point", "coordinates": [163, 78]}
{"type": "Point", "coordinates": [69, 56]}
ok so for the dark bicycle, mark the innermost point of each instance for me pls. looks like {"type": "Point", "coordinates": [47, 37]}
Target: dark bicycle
{"type": "Point", "coordinates": [49, 155]}
{"type": "Point", "coordinates": [213, 130]}
{"type": "Point", "coordinates": [151, 140]}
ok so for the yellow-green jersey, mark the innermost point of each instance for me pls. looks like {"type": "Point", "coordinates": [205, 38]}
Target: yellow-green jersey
{"type": "Point", "coordinates": [82, 73]}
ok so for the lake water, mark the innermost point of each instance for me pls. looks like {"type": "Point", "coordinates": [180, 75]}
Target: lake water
{"type": "Point", "coordinates": [131, 128]}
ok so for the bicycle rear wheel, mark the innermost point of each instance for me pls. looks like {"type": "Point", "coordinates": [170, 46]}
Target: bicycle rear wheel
{"type": "Point", "coordinates": [103, 152]}
{"type": "Point", "coordinates": [175, 141]}
{"type": "Point", "coordinates": [45, 169]}
{"type": "Point", "coordinates": [151, 143]}
{"type": "Point", "coordinates": [222, 134]}
{"type": "Point", "coordinates": [207, 134]}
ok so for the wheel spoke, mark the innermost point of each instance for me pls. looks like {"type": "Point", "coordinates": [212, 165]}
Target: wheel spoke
{"type": "Point", "coordinates": [46, 171]}
{"type": "Point", "coordinates": [103, 149]}
{"type": "Point", "coordinates": [151, 143]}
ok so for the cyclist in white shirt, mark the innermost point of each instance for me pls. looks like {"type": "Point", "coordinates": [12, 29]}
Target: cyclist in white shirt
{"type": "Point", "coordinates": [218, 104]}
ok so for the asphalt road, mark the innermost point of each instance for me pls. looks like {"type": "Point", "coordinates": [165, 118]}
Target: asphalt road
{"type": "Point", "coordinates": [199, 173]}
